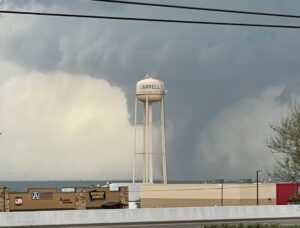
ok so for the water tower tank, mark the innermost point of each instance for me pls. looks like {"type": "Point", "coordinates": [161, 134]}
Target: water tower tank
{"type": "Point", "coordinates": [150, 87]}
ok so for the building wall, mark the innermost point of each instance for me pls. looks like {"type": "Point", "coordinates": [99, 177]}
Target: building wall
{"type": "Point", "coordinates": [52, 199]}
{"type": "Point", "coordinates": [189, 195]}
{"type": "Point", "coordinates": [38, 199]}
{"type": "Point", "coordinates": [287, 191]}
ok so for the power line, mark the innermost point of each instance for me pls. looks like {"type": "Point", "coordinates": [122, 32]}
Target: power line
{"type": "Point", "coordinates": [199, 8]}
{"type": "Point", "coordinates": [150, 19]}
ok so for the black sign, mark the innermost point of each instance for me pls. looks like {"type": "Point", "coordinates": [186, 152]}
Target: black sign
{"type": "Point", "coordinates": [97, 195]}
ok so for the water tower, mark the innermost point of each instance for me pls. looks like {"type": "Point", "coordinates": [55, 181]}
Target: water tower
{"type": "Point", "coordinates": [149, 91]}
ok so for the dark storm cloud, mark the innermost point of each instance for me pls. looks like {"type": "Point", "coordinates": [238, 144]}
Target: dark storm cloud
{"type": "Point", "coordinates": [205, 68]}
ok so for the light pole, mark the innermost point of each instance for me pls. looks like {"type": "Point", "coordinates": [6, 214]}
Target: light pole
{"type": "Point", "coordinates": [222, 189]}
{"type": "Point", "coordinates": [221, 181]}
{"type": "Point", "coordinates": [257, 196]}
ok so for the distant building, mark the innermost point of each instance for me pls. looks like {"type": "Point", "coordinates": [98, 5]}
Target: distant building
{"type": "Point", "coordinates": [65, 199]}
{"type": "Point", "coordinates": [200, 195]}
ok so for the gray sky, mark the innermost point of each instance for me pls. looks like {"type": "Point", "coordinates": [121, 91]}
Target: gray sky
{"type": "Point", "coordinates": [67, 88]}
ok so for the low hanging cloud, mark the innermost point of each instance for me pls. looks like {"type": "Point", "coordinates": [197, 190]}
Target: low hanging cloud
{"type": "Point", "coordinates": [237, 137]}
{"type": "Point", "coordinates": [58, 126]}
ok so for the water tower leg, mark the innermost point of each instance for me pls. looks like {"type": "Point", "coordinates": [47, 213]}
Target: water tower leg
{"type": "Point", "coordinates": [163, 140]}
{"type": "Point", "coordinates": [146, 140]}
{"type": "Point", "coordinates": [144, 145]}
{"type": "Point", "coordinates": [150, 144]}
{"type": "Point", "coordinates": [135, 149]}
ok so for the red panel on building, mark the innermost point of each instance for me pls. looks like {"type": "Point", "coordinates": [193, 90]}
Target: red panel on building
{"type": "Point", "coordinates": [286, 191]}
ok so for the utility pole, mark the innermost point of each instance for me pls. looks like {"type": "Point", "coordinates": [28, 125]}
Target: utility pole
{"type": "Point", "coordinates": [257, 195]}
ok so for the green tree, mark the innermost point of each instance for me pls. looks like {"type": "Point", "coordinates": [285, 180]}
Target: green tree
{"type": "Point", "coordinates": [285, 146]}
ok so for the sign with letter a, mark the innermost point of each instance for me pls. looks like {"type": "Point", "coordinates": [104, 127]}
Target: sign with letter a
{"type": "Point", "coordinates": [35, 195]}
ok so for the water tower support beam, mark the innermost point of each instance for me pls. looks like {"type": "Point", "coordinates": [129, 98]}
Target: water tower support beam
{"type": "Point", "coordinates": [150, 144]}
{"type": "Point", "coordinates": [135, 141]}
{"type": "Point", "coordinates": [146, 140]}
{"type": "Point", "coordinates": [163, 140]}
{"type": "Point", "coordinates": [144, 145]}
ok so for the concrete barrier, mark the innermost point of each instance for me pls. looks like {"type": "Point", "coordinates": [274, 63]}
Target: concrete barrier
{"type": "Point", "coordinates": [117, 216]}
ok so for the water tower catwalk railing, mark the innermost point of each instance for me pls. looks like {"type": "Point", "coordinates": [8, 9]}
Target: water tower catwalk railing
{"type": "Point", "coordinates": [148, 91]}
